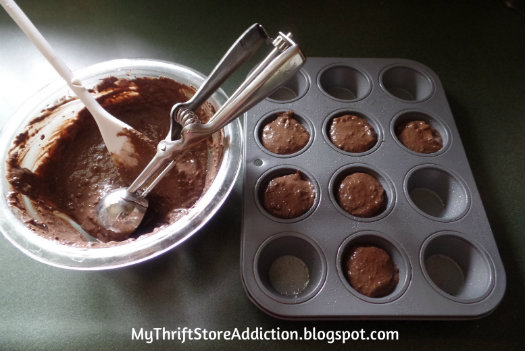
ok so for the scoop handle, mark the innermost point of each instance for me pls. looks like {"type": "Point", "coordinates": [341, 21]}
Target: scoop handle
{"type": "Point", "coordinates": [244, 47]}
{"type": "Point", "coordinates": [276, 68]}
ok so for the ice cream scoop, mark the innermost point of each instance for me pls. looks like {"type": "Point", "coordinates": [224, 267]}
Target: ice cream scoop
{"type": "Point", "coordinates": [116, 134]}
{"type": "Point", "coordinates": [122, 210]}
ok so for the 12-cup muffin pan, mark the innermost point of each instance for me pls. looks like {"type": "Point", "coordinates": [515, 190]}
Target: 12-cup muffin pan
{"type": "Point", "coordinates": [433, 224]}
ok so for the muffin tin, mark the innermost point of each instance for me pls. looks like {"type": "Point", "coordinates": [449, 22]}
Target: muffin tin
{"type": "Point", "coordinates": [433, 224]}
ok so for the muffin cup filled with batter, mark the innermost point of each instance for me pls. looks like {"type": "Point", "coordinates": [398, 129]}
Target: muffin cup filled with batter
{"type": "Point", "coordinates": [361, 192]}
{"type": "Point", "coordinates": [352, 132]}
{"type": "Point", "coordinates": [373, 267]}
{"type": "Point", "coordinates": [286, 194]}
{"type": "Point", "coordinates": [420, 133]}
{"type": "Point", "coordinates": [284, 133]}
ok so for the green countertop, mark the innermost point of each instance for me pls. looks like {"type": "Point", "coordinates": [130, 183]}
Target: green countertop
{"type": "Point", "coordinates": [476, 48]}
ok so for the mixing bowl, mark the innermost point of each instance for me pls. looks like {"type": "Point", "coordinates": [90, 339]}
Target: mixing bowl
{"type": "Point", "coordinates": [129, 252]}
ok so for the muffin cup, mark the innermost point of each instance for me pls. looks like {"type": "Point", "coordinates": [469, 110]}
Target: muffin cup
{"type": "Point", "coordinates": [456, 267]}
{"type": "Point", "coordinates": [434, 122]}
{"type": "Point", "coordinates": [437, 193]}
{"type": "Point", "coordinates": [327, 123]}
{"type": "Point", "coordinates": [382, 241]}
{"type": "Point", "coordinates": [285, 280]}
{"type": "Point", "coordinates": [291, 90]}
{"type": "Point", "coordinates": [406, 83]}
{"type": "Point", "coordinates": [385, 182]}
{"type": "Point", "coordinates": [280, 171]}
{"type": "Point", "coordinates": [344, 83]}
{"type": "Point", "coordinates": [270, 117]}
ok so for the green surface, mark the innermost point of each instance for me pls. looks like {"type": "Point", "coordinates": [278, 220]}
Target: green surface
{"type": "Point", "coordinates": [477, 49]}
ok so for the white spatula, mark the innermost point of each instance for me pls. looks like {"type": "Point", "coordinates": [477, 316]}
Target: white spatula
{"type": "Point", "coordinates": [115, 133]}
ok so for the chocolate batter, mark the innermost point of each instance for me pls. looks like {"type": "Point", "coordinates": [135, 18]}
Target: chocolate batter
{"type": "Point", "coordinates": [77, 170]}
{"type": "Point", "coordinates": [370, 271]}
{"type": "Point", "coordinates": [289, 196]}
{"type": "Point", "coordinates": [361, 195]}
{"type": "Point", "coordinates": [419, 136]}
{"type": "Point", "coordinates": [352, 134]}
{"type": "Point", "coordinates": [284, 135]}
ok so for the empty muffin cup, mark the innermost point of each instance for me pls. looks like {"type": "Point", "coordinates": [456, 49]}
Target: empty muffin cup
{"type": "Point", "coordinates": [419, 133]}
{"type": "Point", "coordinates": [286, 194]}
{"type": "Point", "coordinates": [437, 193]}
{"type": "Point", "coordinates": [352, 132]}
{"type": "Point", "coordinates": [284, 133]}
{"type": "Point", "coordinates": [344, 83]}
{"type": "Point", "coordinates": [290, 267]}
{"type": "Point", "coordinates": [368, 204]}
{"type": "Point", "coordinates": [406, 83]}
{"type": "Point", "coordinates": [398, 279]}
{"type": "Point", "coordinates": [456, 267]}
{"type": "Point", "coordinates": [292, 90]}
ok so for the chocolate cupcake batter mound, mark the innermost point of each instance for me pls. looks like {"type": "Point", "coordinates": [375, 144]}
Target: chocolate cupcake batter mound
{"type": "Point", "coordinates": [361, 195]}
{"type": "Point", "coordinates": [289, 196]}
{"type": "Point", "coordinates": [77, 170]}
{"type": "Point", "coordinates": [284, 135]}
{"type": "Point", "coordinates": [352, 134]}
{"type": "Point", "coordinates": [371, 272]}
{"type": "Point", "coordinates": [419, 136]}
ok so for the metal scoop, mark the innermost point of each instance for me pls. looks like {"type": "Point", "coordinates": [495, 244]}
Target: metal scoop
{"type": "Point", "coordinates": [122, 210]}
